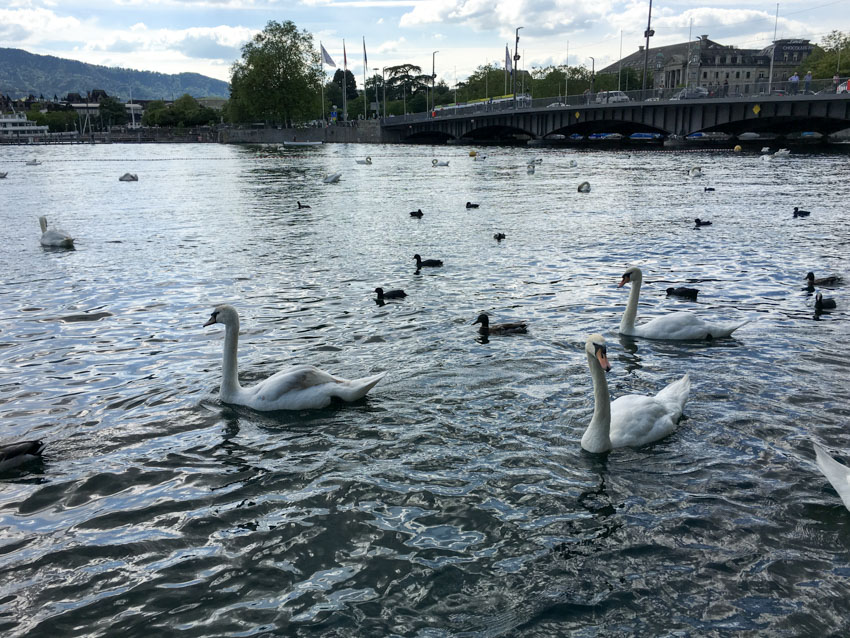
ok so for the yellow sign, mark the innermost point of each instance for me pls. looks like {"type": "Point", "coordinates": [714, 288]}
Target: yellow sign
{"type": "Point", "coordinates": [756, 109]}
{"type": "Point", "coordinates": [578, 115]}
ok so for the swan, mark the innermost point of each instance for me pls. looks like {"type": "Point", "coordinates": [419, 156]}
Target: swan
{"type": "Point", "coordinates": [584, 187]}
{"type": "Point", "coordinates": [499, 236]}
{"type": "Point", "coordinates": [129, 177]}
{"type": "Point", "coordinates": [681, 291]}
{"type": "Point", "coordinates": [538, 160]}
{"type": "Point", "coordinates": [367, 161]}
{"type": "Point", "coordinates": [631, 420]}
{"type": "Point", "coordinates": [783, 151]}
{"type": "Point", "coordinates": [530, 169]}
{"type": "Point", "coordinates": [428, 263]}
{"type": "Point", "coordinates": [765, 158]}
{"type": "Point", "coordinates": [300, 205]}
{"type": "Point", "coordinates": [674, 326]}
{"type": "Point", "coordinates": [390, 294]}
{"type": "Point", "coordinates": [696, 171]}
{"type": "Point", "coordinates": [299, 388]}
{"type": "Point", "coordinates": [33, 162]}
{"type": "Point", "coordinates": [54, 238]}
{"type": "Point", "coordinates": [822, 304]}
{"type": "Point", "coordinates": [15, 454]}
{"type": "Point", "coordinates": [516, 327]}
{"type": "Point", "coordinates": [333, 178]}
{"type": "Point", "coordinates": [573, 163]}
{"type": "Point", "coordinates": [765, 149]}
{"type": "Point", "coordinates": [801, 213]}
{"type": "Point", "coordinates": [837, 474]}
{"type": "Point", "coordinates": [435, 162]}
{"type": "Point", "coordinates": [416, 213]}
{"type": "Point", "coordinates": [479, 158]}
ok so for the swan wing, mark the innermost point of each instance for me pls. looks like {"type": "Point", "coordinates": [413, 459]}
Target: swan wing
{"type": "Point", "coordinates": [684, 326]}
{"type": "Point", "coordinates": [304, 387]}
{"type": "Point", "coordinates": [837, 474]}
{"type": "Point", "coordinates": [55, 237]}
{"type": "Point", "coordinates": [637, 420]}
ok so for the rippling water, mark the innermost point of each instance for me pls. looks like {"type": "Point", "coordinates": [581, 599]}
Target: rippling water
{"type": "Point", "coordinates": [455, 500]}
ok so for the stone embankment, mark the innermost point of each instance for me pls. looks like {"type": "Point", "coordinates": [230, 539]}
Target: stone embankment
{"type": "Point", "coordinates": [361, 131]}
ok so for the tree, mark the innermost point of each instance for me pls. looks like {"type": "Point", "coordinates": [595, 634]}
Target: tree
{"type": "Point", "coordinates": [350, 83]}
{"type": "Point", "coordinates": [825, 59]}
{"type": "Point", "coordinates": [278, 77]}
{"type": "Point", "coordinates": [112, 112]}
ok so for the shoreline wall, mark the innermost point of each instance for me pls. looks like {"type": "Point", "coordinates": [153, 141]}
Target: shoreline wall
{"type": "Point", "coordinates": [363, 132]}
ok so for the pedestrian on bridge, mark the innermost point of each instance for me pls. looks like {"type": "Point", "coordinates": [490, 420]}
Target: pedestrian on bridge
{"type": "Point", "coordinates": [795, 82]}
{"type": "Point", "coordinates": [807, 81]}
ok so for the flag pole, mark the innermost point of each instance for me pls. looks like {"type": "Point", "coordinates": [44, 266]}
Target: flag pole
{"type": "Point", "coordinates": [344, 83]}
{"type": "Point", "coordinates": [365, 63]}
{"type": "Point", "coordinates": [322, 83]}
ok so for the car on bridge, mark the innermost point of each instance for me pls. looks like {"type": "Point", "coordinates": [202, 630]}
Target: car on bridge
{"type": "Point", "coordinates": [691, 93]}
{"type": "Point", "coordinates": [606, 97]}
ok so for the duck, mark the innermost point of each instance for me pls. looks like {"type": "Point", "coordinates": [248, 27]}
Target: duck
{"type": "Point", "coordinates": [517, 327]}
{"type": "Point", "coordinates": [681, 291]}
{"type": "Point", "coordinates": [801, 213]}
{"type": "Point", "coordinates": [435, 162]}
{"type": "Point", "coordinates": [573, 163]}
{"type": "Point", "coordinates": [499, 236]}
{"type": "Point", "coordinates": [829, 280]}
{"type": "Point", "coordinates": [823, 304]}
{"type": "Point", "coordinates": [631, 420]}
{"type": "Point", "coordinates": [302, 387]}
{"type": "Point", "coordinates": [427, 263]}
{"type": "Point", "coordinates": [584, 187]}
{"type": "Point", "coordinates": [54, 238]}
{"type": "Point", "coordinates": [695, 171]}
{"type": "Point", "coordinates": [129, 177]}
{"type": "Point", "coordinates": [677, 326]}
{"type": "Point", "coordinates": [416, 213]}
{"type": "Point", "coordinates": [300, 205]}
{"type": "Point", "coordinates": [700, 222]}
{"type": "Point", "coordinates": [3, 175]}
{"type": "Point", "coordinates": [836, 473]}
{"type": "Point", "coordinates": [471, 205]}
{"type": "Point", "coordinates": [333, 178]}
{"type": "Point", "coordinates": [14, 454]}
{"type": "Point", "coordinates": [390, 294]}
{"type": "Point", "coordinates": [367, 161]}
{"type": "Point", "coordinates": [709, 189]}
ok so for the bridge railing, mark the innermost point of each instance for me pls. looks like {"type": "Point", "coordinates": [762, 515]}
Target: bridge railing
{"type": "Point", "coordinates": [738, 89]}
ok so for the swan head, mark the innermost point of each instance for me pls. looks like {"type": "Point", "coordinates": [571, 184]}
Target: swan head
{"type": "Point", "coordinates": [596, 348]}
{"type": "Point", "coordinates": [225, 314]}
{"type": "Point", "coordinates": [632, 274]}
{"type": "Point", "coordinates": [483, 319]}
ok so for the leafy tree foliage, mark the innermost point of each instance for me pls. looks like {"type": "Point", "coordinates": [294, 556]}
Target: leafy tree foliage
{"type": "Point", "coordinates": [185, 111]}
{"type": "Point", "coordinates": [278, 77]}
{"type": "Point", "coordinates": [350, 83]}
{"type": "Point", "coordinates": [112, 112]}
{"type": "Point", "coordinates": [825, 60]}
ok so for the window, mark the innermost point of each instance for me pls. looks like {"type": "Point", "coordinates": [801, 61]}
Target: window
{"type": "Point", "coordinates": [748, 75]}
{"type": "Point", "coordinates": [727, 75]}
{"type": "Point", "coordinates": [705, 75]}
{"type": "Point", "coordinates": [737, 74]}
{"type": "Point", "coordinates": [716, 75]}
{"type": "Point", "coordinates": [734, 59]}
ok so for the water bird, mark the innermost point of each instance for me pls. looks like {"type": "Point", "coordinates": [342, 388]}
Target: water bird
{"type": "Point", "coordinates": [829, 280]}
{"type": "Point", "coordinates": [823, 304]}
{"type": "Point", "coordinates": [695, 171]}
{"type": "Point", "coordinates": [584, 187]}
{"type": "Point", "coordinates": [14, 454]}
{"type": "Point", "coordinates": [709, 189]}
{"type": "Point", "coordinates": [332, 179]}
{"type": "Point", "coordinates": [390, 294]}
{"type": "Point", "coordinates": [681, 291]}
{"type": "Point", "coordinates": [783, 151]}
{"type": "Point", "coordinates": [631, 420]}
{"type": "Point", "coordinates": [129, 177]}
{"type": "Point", "coordinates": [299, 388]}
{"type": "Point", "coordinates": [479, 158]}
{"type": "Point", "coordinates": [33, 162]}
{"type": "Point", "coordinates": [427, 263]}
{"type": "Point", "coordinates": [435, 162]}
{"type": "Point", "coordinates": [3, 175]}
{"type": "Point", "coordinates": [530, 169]}
{"type": "Point", "coordinates": [471, 205]}
{"type": "Point", "coordinates": [836, 473]}
{"type": "Point", "coordinates": [416, 213]}
{"type": "Point", "coordinates": [699, 222]}
{"type": "Point", "coordinates": [765, 149]}
{"type": "Point", "coordinates": [55, 237]}
{"type": "Point", "coordinates": [499, 236]}
{"type": "Point", "coordinates": [573, 163]}
{"type": "Point", "coordinates": [537, 160]}
{"type": "Point", "coordinates": [517, 327]}
{"type": "Point", "coordinates": [674, 326]}
{"type": "Point", "coordinates": [300, 205]}
{"type": "Point", "coordinates": [367, 161]}
{"type": "Point", "coordinates": [801, 213]}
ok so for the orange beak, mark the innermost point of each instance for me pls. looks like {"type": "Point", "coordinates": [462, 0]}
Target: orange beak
{"type": "Point", "coordinates": [603, 360]}
{"type": "Point", "coordinates": [210, 322]}
{"type": "Point", "coordinates": [623, 282]}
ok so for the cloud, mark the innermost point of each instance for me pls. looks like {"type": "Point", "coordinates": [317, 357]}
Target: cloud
{"type": "Point", "coordinates": [206, 47]}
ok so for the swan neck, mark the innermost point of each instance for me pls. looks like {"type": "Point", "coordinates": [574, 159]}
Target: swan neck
{"type": "Point", "coordinates": [627, 325]}
{"type": "Point", "coordinates": [230, 374]}
{"type": "Point", "coordinates": [597, 437]}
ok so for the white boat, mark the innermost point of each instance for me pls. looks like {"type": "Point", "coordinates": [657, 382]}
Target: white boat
{"type": "Point", "coordinates": [17, 125]}
{"type": "Point", "coordinates": [302, 143]}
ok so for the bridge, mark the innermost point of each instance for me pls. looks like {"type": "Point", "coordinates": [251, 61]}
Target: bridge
{"type": "Point", "coordinates": [551, 119]}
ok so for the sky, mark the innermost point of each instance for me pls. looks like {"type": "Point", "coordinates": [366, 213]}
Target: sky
{"type": "Point", "coordinates": [205, 36]}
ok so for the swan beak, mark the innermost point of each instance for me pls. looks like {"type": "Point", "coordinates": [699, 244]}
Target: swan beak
{"type": "Point", "coordinates": [623, 282]}
{"type": "Point", "coordinates": [602, 357]}
{"type": "Point", "coordinates": [210, 321]}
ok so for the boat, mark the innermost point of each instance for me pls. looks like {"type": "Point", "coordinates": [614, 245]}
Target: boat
{"type": "Point", "coordinates": [17, 125]}
{"type": "Point", "coordinates": [302, 143]}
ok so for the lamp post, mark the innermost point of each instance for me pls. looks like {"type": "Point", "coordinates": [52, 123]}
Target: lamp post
{"type": "Point", "coordinates": [377, 96]}
{"type": "Point", "coordinates": [516, 61]}
{"type": "Point", "coordinates": [592, 72]}
{"type": "Point", "coordinates": [648, 34]}
{"type": "Point", "coordinates": [692, 58]}
{"type": "Point", "coordinates": [384, 86]}
{"type": "Point", "coordinates": [433, 76]}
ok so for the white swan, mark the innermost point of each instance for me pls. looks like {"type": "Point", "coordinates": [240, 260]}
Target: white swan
{"type": "Point", "coordinates": [783, 151]}
{"type": "Point", "coordinates": [676, 325]}
{"type": "Point", "coordinates": [530, 169]}
{"type": "Point", "coordinates": [584, 187]}
{"type": "Point", "coordinates": [765, 158]}
{"type": "Point", "coordinates": [15, 454]}
{"type": "Point", "coordinates": [696, 171]}
{"type": "Point", "coordinates": [129, 177]}
{"type": "Point", "coordinates": [765, 149]}
{"type": "Point", "coordinates": [631, 420]}
{"type": "Point", "coordinates": [435, 162]}
{"type": "Point", "coordinates": [299, 388]}
{"type": "Point", "coordinates": [54, 238]}
{"type": "Point", "coordinates": [837, 474]}
{"type": "Point", "coordinates": [573, 163]}
{"type": "Point", "coordinates": [332, 178]}
{"type": "Point", "coordinates": [367, 161]}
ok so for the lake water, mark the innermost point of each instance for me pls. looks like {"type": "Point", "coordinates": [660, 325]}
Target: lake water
{"type": "Point", "coordinates": [455, 500]}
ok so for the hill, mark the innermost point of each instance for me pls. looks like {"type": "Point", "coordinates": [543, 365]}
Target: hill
{"type": "Point", "coordinates": [22, 73]}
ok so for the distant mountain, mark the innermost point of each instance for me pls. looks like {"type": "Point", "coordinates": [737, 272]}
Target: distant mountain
{"type": "Point", "coordinates": [22, 73]}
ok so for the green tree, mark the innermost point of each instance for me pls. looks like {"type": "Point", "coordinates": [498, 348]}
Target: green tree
{"type": "Point", "coordinates": [154, 113]}
{"type": "Point", "coordinates": [350, 83]}
{"type": "Point", "coordinates": [112, 112]}
{"type": "Point", "coordinates": [278, 77]}
{"type": "Point", "coordinates": [830, 57]}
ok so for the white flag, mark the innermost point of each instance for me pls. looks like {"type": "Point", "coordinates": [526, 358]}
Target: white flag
{"type": "Point", "coordinates": [326, 58]}
{"type": "Point", "coordinates": [508, 66]}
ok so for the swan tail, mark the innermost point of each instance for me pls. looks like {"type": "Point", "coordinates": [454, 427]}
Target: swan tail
{"type": "Point", "coordinates": [837, 474]}
{"type": "Point", "coordinates": [726, 329]}
{"type": "Point", "coordinates": [675, 395]}
{"type": "Point", "coordinates": [357, 388]}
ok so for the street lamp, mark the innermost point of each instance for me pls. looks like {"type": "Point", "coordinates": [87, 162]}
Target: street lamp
{"type": "Point", "coordinates": [377, 97]}
{"type": "Point", "coordinates": [516, 61]}
{"type": "Point", "coordinates": [384, 85]}
{"type": "Point", "coordinates": [648, 34]}
{"type": "Point", "coordinates": [433, 75]}
{"type": "Point", "coordinates": [592, 72]}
